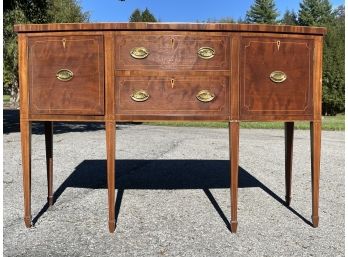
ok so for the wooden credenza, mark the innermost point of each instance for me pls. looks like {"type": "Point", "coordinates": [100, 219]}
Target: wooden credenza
{"type": "Point", "coordinates": [110, 72]}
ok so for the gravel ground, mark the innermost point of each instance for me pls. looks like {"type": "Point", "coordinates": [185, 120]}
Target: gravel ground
{"type": "Point", "coordinates": [173, 195]}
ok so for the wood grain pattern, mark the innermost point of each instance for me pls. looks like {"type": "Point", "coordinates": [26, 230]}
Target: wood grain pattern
{"type": "Point", "coordinates": [234, 170]}
{"type": "Point", "coordinates": [172, 51]}
{"type": "Point", "coordinates": [110, 129]}
{"type": "Point", "coordinates": [173, 95]}
{"type": "Point", "coordinates": [23, 76]}
{"type": "Point", "coordinates": [259, 94]}
{"type": "Point", "coordinates": [84, 93]}
{"type": "Point", "coordinates": [317, 78]}
{"type": "Point", "coordinates": [105, 76]}
{"type": "Point", "coordinates": [234, 92]}
{"type": "Point", "coordinates": [170, 26]}
{"type": "Point", "coordinates": [315, 130]}
{"type": "Point", "coordinates": [109, 76]}
{"type": "Point", "coordinates": [25, 126]}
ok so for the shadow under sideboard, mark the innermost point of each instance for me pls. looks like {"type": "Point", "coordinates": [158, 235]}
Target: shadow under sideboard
{"type": "Point", "coordinates": [162, 175]}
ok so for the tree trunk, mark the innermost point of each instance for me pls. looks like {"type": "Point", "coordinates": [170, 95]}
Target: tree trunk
{"type": "Point", "coordinates": [14, 98]}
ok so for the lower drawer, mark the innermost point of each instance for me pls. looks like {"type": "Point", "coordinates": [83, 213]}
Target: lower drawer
{"type": "Point", "coordinates": [196, 96]}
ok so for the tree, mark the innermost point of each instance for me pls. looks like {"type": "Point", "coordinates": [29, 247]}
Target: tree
{"type": "Point", "coordinates": [139, 16]}
{"type": "Point", "coordinates": [320, 13]}
{"type": "Point", "coordinates": [31, 11]}
{"type": "Point", "coordinates": [147, 16]}
{"type": "Point", "coordinates": [315, 13]}
{"type": "Point", "coordinates": [333, 65]}
{"type": "Point", "coordinates": [262, 11]}
{"type": "Point", "coordinates": [136, 16]}
{"type": "Point", "coordinates": [289, 18]}
{"type": "Point", "coordinates": [66, 11]}
{"type": "Point", "coordinates": [10, 53]}
{"type": "Point", "coordinates": [227, 20]}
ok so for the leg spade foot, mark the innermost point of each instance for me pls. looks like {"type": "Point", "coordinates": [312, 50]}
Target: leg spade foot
{"type": "Point", "coordinates": [234, 225]}
{"type": "Point", "coordinates": [50, 200]}
{"type": "Point", "coordinates": [315, 221]}
{"type": "Point", "coordinates": [27, 221]}
{"type": "Point", "coordinates": [315, 167]}
{"type": "Point", "coordinates": [234, 169]}
{"type": "Point", "coordinates": [112, 226]}
{"type": "Point", "coordinates": [110, 150]}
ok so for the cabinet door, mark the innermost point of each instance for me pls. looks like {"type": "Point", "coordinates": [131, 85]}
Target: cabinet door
{"type": "Point", "coordinates": [66, 75]}
{"type": "Point", "coordinates": [276, 77]}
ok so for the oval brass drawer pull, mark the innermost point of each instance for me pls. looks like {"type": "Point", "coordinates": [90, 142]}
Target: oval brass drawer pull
{"type": "Point", "coordinates": [206, 52]}
{"type": "Point", "coordinates": [64, 75]}
{"type": "Point", "coordinates": [140, 96]}
{"type": "Point", "coordinates": [205, 96]}
{"type": "Point", "coordinates": [139, 52]}
{"type": "Point", "coordinates": [278, 76]}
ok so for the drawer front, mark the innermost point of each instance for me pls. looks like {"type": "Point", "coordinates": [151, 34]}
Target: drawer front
{"type": "Point", "coordinates": [190, 51]}
{"type": "Point", "coordinates": [66, 75]}
{"type": "Point", "coordinates": [276, 77]}
{"type": "Point", "coordinates": [196, 96]}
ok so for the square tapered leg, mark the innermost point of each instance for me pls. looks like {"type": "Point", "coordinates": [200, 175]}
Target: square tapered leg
{"type": "Point", "coordinates": [234, 168]}
{"type": "Point", "coordinates": [110, 128]}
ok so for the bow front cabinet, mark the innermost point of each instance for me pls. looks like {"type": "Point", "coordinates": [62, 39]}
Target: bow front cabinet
{"type": "Point", "coordinates": [113, 72]}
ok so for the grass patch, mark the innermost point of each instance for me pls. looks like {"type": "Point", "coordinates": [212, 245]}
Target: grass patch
{"type": "Point", "coordinates": [6, 98]}
{"type": "Point", "coordinates": [329, 123]}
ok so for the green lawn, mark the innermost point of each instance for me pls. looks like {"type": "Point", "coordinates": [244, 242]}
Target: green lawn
{"type": "Point", "coordinates": [329, 123]}
{"type": "Point", "coordinates": [6, 98]}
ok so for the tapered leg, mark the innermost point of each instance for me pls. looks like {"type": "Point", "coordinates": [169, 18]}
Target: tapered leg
{"type": "Point", "coordinates": [26, 165]}
{"type": "Point", "coordinates": [49, 160]}
{"type": "Point", "coordinates": [289, 139]}
{"type": "Point", "coordinates": [315, 168]}
{"type": "Point", "coordinates": [234, 152]}
{"type": "Point", "coordinates": [110, 152]}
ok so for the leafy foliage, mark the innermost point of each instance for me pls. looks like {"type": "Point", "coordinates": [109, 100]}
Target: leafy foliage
{"type": "Point", "coordinates": [66, 11]}
{"type": "Point", "coordinates": [289, 18]}
{"type": "Point", "coordinates": [320, 13]}
{"type": "Point", "coordinates": [139, 16]}
{"type": "Point", "coordinates": [31, 11]}
{"type": "Point", "coordinates": [136, 16]}
{"type": "Point", "coordinates": [315, 13]}
{"type": "Point", "coordinates": [333, 65]}
{"type": "Point", "coordinates": [262, 11]}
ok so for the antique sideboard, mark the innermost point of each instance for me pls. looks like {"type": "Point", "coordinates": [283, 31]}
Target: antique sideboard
{"type": "Point", "coordinates": [112, 72]}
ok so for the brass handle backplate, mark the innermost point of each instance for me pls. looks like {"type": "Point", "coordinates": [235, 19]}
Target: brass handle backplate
{"type": "Point", "coordinates": [278, 76]}
{"type": "Point", "coordinates": [139, 52]}
{"type": "Point", "coordinates": [206, 52]}
{"type": "Point", "coordinates": [205, 96]}
{"type": "Point", "coordinates": [140, 96]}
{"type": "Point", "coordinates": [64, 75]}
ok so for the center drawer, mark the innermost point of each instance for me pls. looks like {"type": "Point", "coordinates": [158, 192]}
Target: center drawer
{"type": "Point", "coordinates": [186, 95]}
{"type": "Point", "coordinates": [172, 51]}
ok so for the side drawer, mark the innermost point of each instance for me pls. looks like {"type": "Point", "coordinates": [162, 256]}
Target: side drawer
{"type": "Point", "coordinates": [172, 51]}
{"type": "Point", "coordinates": [195, 96]}
{"type": "Point", "coordinates": [276, 77]}
{"type": "Point", "coordinates": [66, 74]}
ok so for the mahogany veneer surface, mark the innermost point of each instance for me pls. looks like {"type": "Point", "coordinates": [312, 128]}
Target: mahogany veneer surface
{"type": "Point", "coordinates": [110, 72]}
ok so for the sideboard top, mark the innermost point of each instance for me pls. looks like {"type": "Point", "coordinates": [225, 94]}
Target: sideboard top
{"type": "Point", "coordinates": [169, 26]}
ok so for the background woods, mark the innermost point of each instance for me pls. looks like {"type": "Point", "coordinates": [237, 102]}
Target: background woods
{"type": "Point", "coordinates": [31, 11]}
{"type": "Point", "coordinates": [310, 13]}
